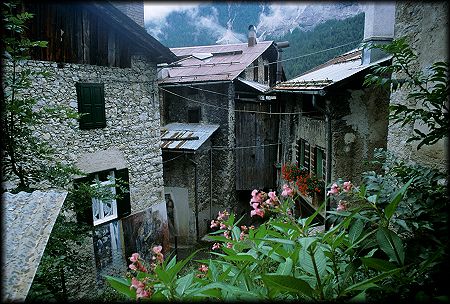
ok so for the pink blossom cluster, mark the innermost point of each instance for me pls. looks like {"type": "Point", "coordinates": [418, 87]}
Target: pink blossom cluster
{"type": "Point", "coordinates": [221, 218]}
{"type": "Point", "coordinates": [136, 263]}
{"type": "Point", "coordinates": [221, 223]}
{"type": "Point", "coordinates": [203, 270]}
{"type": "Point", "coordinates": [287, 191]}
{"type": "Point", "coordinates": [142, 289]}
{"type": "Point", "coordinates": [335, 189]}
{"type": "Point", "coordinates": [342, 206]}
{"type": "Point", "coordinates": [262, 202]}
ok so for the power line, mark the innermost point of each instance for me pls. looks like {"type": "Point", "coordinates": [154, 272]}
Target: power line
{"type": "Point", "coordinates": [252, 67]}
{"type": "Point", "coordinates": [235, 110]}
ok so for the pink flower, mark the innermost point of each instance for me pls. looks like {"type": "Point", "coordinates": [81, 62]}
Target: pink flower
{"type": "Point", "coordinates": [226, 234]}
{"type": "Point", "coordinates": [157, 249]}
{"type": "Point", "coordinates": [229, 245]}
{"type": "Point", "coordinates": [203, 268]}
{"type": "Point", "coordinates": [222, 215]}
{"type": "Point", "coordinates": [142, 293]}
{"type": "Point", "coordinates": [347, 186]}
{"type": "Point", "coordinates": [255, 205]}
{"type": "Point", "coordinates": [132, 267]}
{"type": "Point", "coordinates": [214, 223]}
{"type": "Point", "coordinates": [334, 189]}
{"type": "Point", "coordinates": [342, 206]}
{"type": "Point", "coordinates": [257, 196]}
{"type": "Point", "coordinates": [136, 283]}
{"type": "Point", "coordinates": [223, 226]}
{"type": "Point", "coordinates": [215, 246]}
{"type": "Point", "coordinates": [259, 212]}
{"type": "Point", "coordinates": [273, 196]}
{"type": "Point", "coordinates": [134, 257]}
{"type": "Point", "coordinates": [242, 235]}
{"type": "Point", "coordinates": [287, 191]}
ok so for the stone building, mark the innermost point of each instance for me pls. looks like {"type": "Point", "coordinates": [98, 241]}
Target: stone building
{"type": "Point", "coordinates": [103, 64]}
{"type": "Point", "coordinates": [425, 27]}
{"type": "Point", "coordinates": [221, 85]}
{"type": "Point", "coordinates": [338, 121]}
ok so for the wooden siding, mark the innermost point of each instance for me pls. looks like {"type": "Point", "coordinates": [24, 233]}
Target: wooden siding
{"type": "Point", "coordinates": [255, 167]}
{"type": "Point", "coordinates": [75, 35]}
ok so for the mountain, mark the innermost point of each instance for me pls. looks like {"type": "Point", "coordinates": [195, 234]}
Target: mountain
{"type": "Point", "coordinates": [308, 26]}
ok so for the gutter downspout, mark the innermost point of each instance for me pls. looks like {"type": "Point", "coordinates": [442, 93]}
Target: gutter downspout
{"type": "Point", "coordinates": [327, 113]}
{"type": "Point", "coordinates": [196, 197]}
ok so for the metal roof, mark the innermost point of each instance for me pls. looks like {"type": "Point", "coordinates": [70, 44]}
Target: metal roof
{"type": "Point", "coordinates": [185, 136]}
{"type": "Point", "coordinates": [226, 63]}
{"type": "Point", "coordinates": [256, 85]}
{"type": "Point", "coordinates": [329, 73]}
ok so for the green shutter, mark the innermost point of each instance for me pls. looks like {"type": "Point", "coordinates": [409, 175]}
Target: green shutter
{"type": "Point", "coordinates": [83, 203]}
{"type": "Point", "coordinates": [319, 165]}
{"type": "Point", "coordinates": [123, 203]}
{"type": "Point", "coordinates": [91, 102]}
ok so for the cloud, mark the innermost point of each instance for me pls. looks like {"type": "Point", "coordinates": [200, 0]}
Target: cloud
{"type": "Point", "coordinates": [157, 12]}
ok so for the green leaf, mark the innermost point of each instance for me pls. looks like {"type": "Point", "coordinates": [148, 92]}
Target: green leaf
{"type": "Point", "coordinates": [241, 257]}
{"type": "Point", "coordinates": [287, 284]}
{"type": "Point", "coordinates": [369, 283]}
{"type": "Point", "coordinates": [392, 206]}
{"type": "Point", "coordinates": [378, 264]}
{"type": "Point", "coordinates": [391, 244]}
{"type": "Point", "coordinates": [184, 283]}
{"type": "Point", "coordinates": [355, 230]}
{"type": "Point", "coordinates": [122, 286]}
{"type": "Point", "coordinates": [285, 268]}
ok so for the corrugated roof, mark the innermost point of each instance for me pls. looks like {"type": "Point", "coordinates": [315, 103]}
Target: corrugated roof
{"type": "Point", "coordinates": [28, 219]}
{"type": "Point", "coordinates": [256, 85]}
{"type": "Point", "coordinates": [329, 73]}
{"type": "Point", "coordinates": [185, 136]}
{"type": "Point", "coordinates": [226, 63]}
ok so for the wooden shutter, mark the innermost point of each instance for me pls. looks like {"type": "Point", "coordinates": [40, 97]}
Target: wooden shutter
{"type": "Point", "coordinates": [123, 202]}
{"type": "Point", "coordinates": [83, 205]}
{"type": "Point", "coordinates": [91, 102]}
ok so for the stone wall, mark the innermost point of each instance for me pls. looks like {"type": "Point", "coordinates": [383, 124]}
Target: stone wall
{"type": "Point", "coordinates": [131, 139]}
{"type": "Point", "coordinates": [132, 134]}
{"type": "Point", "coordinates": [425, 26]}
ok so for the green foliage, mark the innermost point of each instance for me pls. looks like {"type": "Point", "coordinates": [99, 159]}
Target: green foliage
{"type": "Point", "coordinates": [26, 156]}
{"type": "Point", "coordinates": [317, 46]}
{"type": "Point", "coordinates": [428, 92]}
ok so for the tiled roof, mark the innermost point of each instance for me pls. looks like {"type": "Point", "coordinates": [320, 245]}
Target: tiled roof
{"type": "Point", "coordinates": [226, 63]}
{"type": "Point", "coordinates": [186, 136]}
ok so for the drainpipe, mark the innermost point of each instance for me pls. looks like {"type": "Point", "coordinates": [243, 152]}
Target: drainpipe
{"type": "Point", "coordinates": [196, 197]}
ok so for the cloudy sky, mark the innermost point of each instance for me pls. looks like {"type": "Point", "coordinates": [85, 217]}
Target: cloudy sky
{"type": "Point", "coordinates": [159, 10]}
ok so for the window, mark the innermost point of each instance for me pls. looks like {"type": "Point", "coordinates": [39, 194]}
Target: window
{"type": "Point", "coordinates": [94, 211]}
{"type": "Point", "coordinates": [104, 211]}
{"type": "Point", "coordinates": [255, 71]}
{"type": "Point", "coordinates": [194, 115]}
{"type": "Point", "coordinates": [91, 103]}
{"type": "Point", "coordinates": [303, 156]}
{"type": "Point", "coordinates": [266, 73]}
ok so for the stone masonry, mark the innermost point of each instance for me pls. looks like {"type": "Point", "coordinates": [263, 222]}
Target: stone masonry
{"type": "Point", "coordinates": [425, 26]}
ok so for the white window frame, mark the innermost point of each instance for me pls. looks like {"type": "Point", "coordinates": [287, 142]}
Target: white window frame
{"type": "Point", "coordinates": [100, 204]}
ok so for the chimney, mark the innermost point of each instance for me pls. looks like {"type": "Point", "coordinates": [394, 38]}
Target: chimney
{"type": "Point", "coordinates": [378, 29]}
{"type": "Point", "coordinates": [251, 35]}
{"type": "Point", "coordinates": [280, 46]}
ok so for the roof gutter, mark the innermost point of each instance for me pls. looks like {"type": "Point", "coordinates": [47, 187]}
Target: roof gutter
{"type": "Point", "coordinates": [194, 83]}
{"type": "Point", "coordinates": [310, 92]}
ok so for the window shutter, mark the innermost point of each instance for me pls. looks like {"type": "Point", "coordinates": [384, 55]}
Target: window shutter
{"type": "Point", "coordinates": [91, 102]}
{"type": "Point", "coordinates": [123, 203]}
{"type": "Point", "coordinates": [83, 206]}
